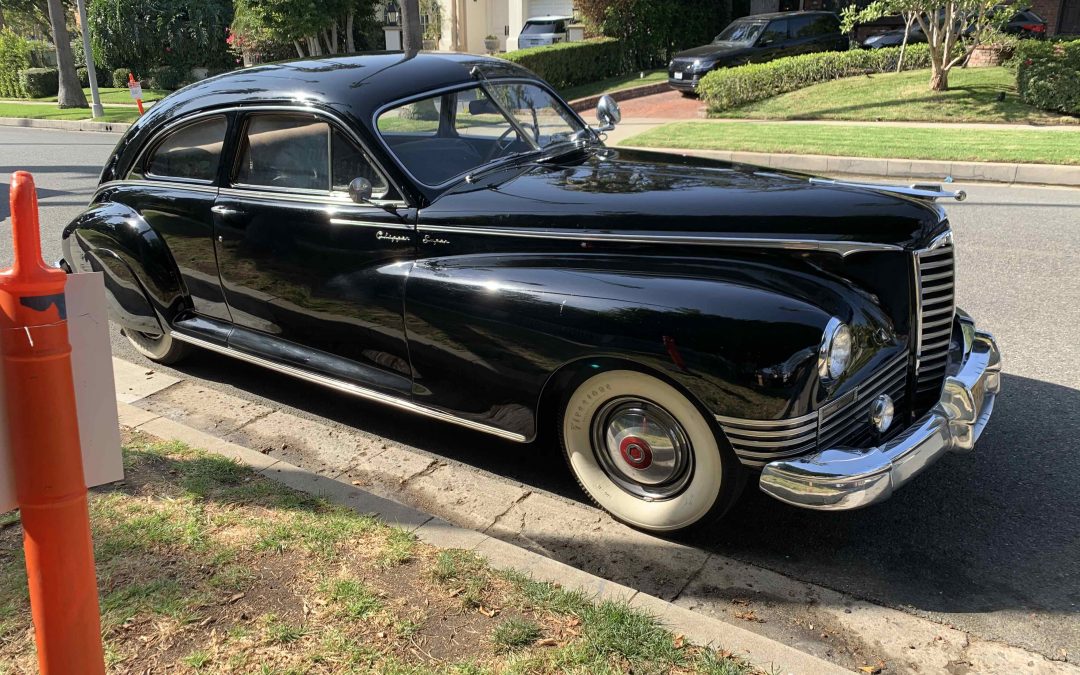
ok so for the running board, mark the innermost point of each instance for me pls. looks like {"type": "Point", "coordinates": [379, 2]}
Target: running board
{"type": "Point", "coordinates": [347, 387]}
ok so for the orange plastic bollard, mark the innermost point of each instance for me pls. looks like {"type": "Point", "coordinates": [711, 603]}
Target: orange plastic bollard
{"type": "Point", "coordinates": [47, 459]}
{"type": "Point", "coordinates": [131, 84]}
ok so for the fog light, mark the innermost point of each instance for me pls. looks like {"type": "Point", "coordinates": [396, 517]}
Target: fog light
{"type": "Point", "coordinates": [881, 413]}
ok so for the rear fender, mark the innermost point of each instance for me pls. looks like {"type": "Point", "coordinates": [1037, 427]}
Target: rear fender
{"type": "Point", "coordinates": [140, 273]}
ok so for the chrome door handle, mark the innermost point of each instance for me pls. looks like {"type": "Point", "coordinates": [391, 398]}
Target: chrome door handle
{"type": "Point", "coordinates": [222, 210]}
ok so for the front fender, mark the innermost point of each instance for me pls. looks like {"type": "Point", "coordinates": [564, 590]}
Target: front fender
{"type": "Point", "coordinates": [140, 272]}
{"type": "Point", "coordinates": [486, 332]}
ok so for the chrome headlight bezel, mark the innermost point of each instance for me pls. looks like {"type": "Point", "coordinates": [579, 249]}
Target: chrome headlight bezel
{"type": "Point", "coordinates": [837, 346]}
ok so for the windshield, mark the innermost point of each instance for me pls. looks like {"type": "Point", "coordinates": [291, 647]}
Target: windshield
{"type": "Point", "coordinates": [740, 31]}
{"type": "Point", "coordinates": [454, 133]}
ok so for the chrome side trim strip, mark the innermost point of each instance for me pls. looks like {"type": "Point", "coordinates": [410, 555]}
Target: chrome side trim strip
{"type": "Point", "coordinates": [160, 183]}
{"type": "Point", "coordinates": [371, 223]}
{"type": "Point", "coordinates": [841, 248]}
{"type": "Point", "coordinates": [348, 387]}
{"type": "Point", "coordinates": [928, 191]}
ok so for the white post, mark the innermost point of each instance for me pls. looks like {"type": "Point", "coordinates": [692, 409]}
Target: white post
{"type": "Point", "coordinates": [96, 110]}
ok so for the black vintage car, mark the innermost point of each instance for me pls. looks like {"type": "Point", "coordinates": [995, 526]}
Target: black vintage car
{"type": "Point", "coordinates": [754, 39]}
{"type": "Point", "coordinates": [444, 235]}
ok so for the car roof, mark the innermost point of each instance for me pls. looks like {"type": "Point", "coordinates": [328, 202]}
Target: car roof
{"type": "Point", "coordinates": [355, 86]}
{"type": "Point", "coordinates": [782, 15]}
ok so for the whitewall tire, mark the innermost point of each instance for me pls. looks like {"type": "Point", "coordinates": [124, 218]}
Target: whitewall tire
{"type": "Point", "coordinates": [645, 453]}
{"type": "Point", "coordinates": [162, 349]}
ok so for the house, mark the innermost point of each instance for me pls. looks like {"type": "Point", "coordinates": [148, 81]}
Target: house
{"type": "Point", "coordinates": [462, 25]}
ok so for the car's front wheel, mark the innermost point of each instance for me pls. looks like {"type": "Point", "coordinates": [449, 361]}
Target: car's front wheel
{"type": "Point", "coordinates": [646, 454]}
{"type": "Point", "coordinates": [161, 349]}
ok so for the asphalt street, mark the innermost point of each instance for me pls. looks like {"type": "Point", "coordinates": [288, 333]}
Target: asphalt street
{"type": "Point", "coordinates": [988, 542]}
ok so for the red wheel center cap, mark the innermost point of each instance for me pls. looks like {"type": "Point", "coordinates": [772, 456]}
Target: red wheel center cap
{"type": "Point", "coordinates": [636, 452]}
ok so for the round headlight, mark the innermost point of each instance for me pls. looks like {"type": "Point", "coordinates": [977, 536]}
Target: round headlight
{"type": "Point", "coordinates": [835, 353]}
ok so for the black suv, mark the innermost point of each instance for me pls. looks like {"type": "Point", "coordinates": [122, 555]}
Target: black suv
{"type": "Point", "coordinates": [753, 39]}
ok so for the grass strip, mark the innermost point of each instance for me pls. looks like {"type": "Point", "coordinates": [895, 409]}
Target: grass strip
{"type": "Point", "coordinates": [1020, 146]}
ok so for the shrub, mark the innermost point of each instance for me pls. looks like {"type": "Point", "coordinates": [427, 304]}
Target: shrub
{"type": "Point", "coordinates": [39, 82]}
{"type": "Point", "coordinates": [14, 56]}
{"type": "Point", "coordinates": [653, 30]}
{"type": "Point", "coordinates": [731, 87]}
{"type": "Point", "coordinates": [166, 77]}
{"type": "Point", "coordinates": [1048, 75]}
{"type": "Point", "coordinates": [103, 78]}
{"type": "Point", "coordinates": [120, 77]}
{"type": "Point", "coordinates": [568, 64]}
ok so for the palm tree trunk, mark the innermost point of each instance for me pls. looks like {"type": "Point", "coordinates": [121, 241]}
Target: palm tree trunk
{"type": "Point", "coordinates": [411, 38]}
{"type": "Point", "coordinates": [70, 94]}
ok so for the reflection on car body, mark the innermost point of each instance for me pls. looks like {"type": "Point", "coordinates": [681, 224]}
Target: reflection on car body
{"type": "Point", "coordinates": [442, 234]}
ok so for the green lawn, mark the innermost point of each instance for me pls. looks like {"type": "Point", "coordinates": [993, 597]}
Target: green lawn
{"type": "Point", "coordinates": [118, 95]}
{"type": "Point", "coordinates": [972, 97]}
{"type": "Point", "coordinates": [614, 84]}
{"type": "Point", "coordinates": [48, 112]}
{"type": "Point", "coordinates": [1038, 147]}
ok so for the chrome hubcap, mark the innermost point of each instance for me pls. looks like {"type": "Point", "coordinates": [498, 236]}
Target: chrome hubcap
{"type": "Point", "coordinates": [642, 448]}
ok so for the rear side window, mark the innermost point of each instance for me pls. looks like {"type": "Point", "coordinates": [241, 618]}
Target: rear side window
{"type": "Point", "coordinates": [190, 153]}
{"type": "Point", "coordinates": [814, 25]}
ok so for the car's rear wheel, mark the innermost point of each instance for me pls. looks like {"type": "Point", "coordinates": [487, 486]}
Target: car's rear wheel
{"type": "Point", "coordinates": [161, 349]}
{"type": "Point", "coordinates": [645, 453]}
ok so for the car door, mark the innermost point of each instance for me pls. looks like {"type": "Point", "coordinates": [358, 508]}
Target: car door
{"type": "Point", "coordinates": [311, 277]}
{"type": "Point", "coordinates": [177, 184]}
{"type": "Point", "coordinates": [772, 42]}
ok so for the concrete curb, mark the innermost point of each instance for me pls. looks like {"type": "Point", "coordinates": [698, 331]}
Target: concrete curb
{"type": "Point", "coordinates": [589, 102]}
{"type": "Point", "coordinates": [67, 125]}
{"type": "Point", "coordinates": [996, 172]}
{"type": "Point", "coordinates": [697, 628]}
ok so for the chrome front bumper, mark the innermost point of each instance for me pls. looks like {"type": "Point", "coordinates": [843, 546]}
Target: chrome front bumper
{"type": "Point", "coordinates": [849, 478]}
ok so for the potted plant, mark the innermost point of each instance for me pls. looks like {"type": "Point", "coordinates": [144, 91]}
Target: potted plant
{"type": "Point", "coordinates": [491, 44]}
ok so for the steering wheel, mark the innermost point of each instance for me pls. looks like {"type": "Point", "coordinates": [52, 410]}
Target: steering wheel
{"type": "Point", "coordinates": [498, 146]}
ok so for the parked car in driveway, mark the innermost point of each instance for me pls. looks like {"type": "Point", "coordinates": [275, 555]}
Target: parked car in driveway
{"type": "Point", "coordinates": [443, 235]}
{"type": "Point", "coordinates": [543, 30]}
{"type": "Point", "coordinates": [754, 39]}
{"type": "Point", "coordinates": [1024, 23]}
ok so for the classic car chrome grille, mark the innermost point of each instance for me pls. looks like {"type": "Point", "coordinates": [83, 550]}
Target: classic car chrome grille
{"type": "Point", "coordinates": [845, 421]}
{"type": "Point", "coordinates": [936, 276]}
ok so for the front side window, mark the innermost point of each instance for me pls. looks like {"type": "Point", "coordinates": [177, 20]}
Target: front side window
{"type": "Point", "coordinates": [740, 32]}
{"type": "Point", "coordinates": [776, 31]}
{"type": "Point", "coordinates": [301, 152]}
{"type": "Point", "coordinates": [191, 153]}
{"type": "Point", "coordinates": [447, 135]}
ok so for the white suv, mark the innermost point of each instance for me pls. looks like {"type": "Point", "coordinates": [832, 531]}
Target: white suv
{"type": "Point", "coordinates": [543, 30]}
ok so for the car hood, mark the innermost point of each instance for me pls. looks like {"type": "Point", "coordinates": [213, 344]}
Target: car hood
{"type": "Point", "coordinates": [711, 52]}
{"type": "Point", "coordinates": [637, 191]}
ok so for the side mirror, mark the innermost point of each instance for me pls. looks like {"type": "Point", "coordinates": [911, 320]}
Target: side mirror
{"type": "Point", "coordinates": [360, 190]}
{"type": "Point", "coordinates": [607, 112]}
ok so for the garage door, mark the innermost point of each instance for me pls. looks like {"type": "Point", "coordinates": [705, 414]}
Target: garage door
{"type": "Point", "coordinates": [551, 8]}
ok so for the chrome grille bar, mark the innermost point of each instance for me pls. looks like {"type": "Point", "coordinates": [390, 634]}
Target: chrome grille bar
{"type": "Point", "coordinates": [935, 292]}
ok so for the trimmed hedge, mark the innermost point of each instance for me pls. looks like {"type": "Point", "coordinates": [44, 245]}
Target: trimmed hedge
{"type": "Point", "coordinates": [40, 82]}
{"type": "Point", "coordinates": [1048, 75]}
{"type": "Point", "coordinates": [166, 77]}
{"type": "Point", "coordinates": [568, 64]}
{"type": "Point", "coordinates": [14, 56]}
{"type": "Point", "coordinates": [731, 87]}
{"type": "Point", "coordinates": [120, 77]}
{"type": "Point", "coordinates": [103, 78]}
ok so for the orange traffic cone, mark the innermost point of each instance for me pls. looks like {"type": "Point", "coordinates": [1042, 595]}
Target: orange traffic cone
{"type": "Point", "coordinates": [46, 457]}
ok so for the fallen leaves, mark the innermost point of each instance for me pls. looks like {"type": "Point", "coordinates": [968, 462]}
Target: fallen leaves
{"type": "Point", "coordinates": [749, 615]}
{"type": "Point", "coordinates": [874, 669]}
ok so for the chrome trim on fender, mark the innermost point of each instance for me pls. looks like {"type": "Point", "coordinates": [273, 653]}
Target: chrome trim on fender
{"type": "Point", "coordinates": [371, 223]}
{"type": "Point", "coordinates": [348, 387]}
{"type": "Point", "coordinates": [841, 248]}
{"type": "Point", "coordinates": [920, 190]}
{"type": "Point", "coordinates": [844, 478]}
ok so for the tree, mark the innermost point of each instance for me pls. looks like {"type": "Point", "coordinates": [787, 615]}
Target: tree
{"type": "Point", "coordinates": [411, 35]}
{"type": "Point", "coordinates": [71, 94]}
{"type": "Point", "coordinates": [311, 27]}
{"type": "Point", "coordinates": [953, 28]}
